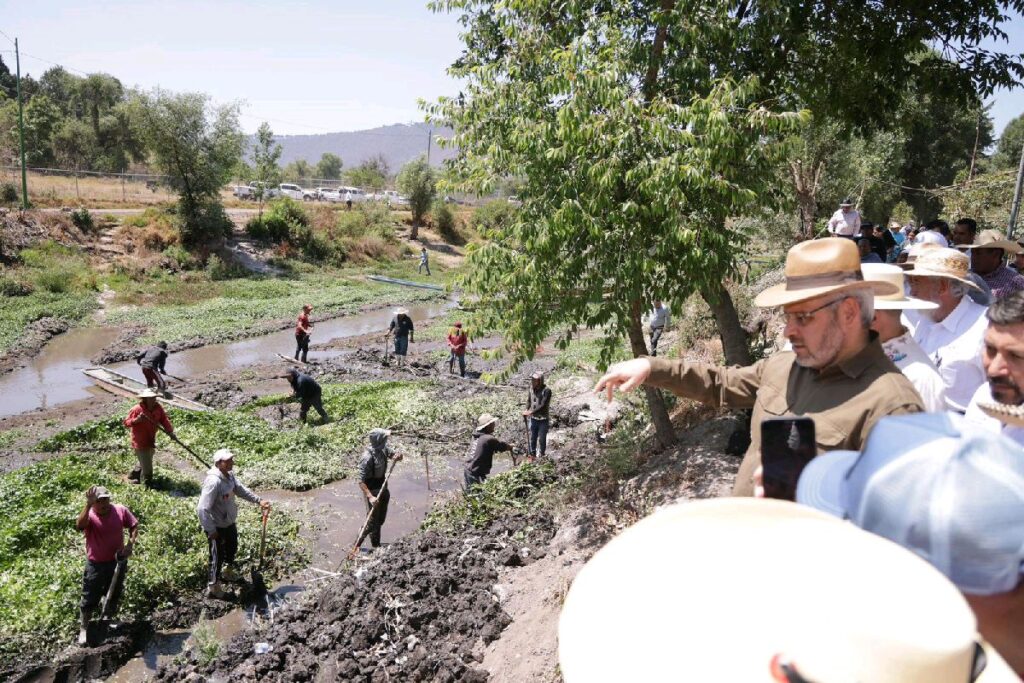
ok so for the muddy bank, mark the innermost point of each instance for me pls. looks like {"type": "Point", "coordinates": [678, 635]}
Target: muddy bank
{"type": "Point", "coordinates": [36, 334]}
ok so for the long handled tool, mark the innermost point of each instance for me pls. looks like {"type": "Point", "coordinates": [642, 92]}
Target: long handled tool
{"type": "Point", "coordinates": [426, 464]}
{"type": "Point", "coordinates": [259, 586]}
{"type": "Point", "coordinates": [387, 356]}
{"type": "Point", "coordinates": [365, 530]}
{"type": "Point", "coordinates": [180, 379]}
{"type": "Point", "coordinates": [116, 589]}
{"type": "Point", "coordinates": [176, 440]}
{"type": "Point", "coordinates": [526, 422]}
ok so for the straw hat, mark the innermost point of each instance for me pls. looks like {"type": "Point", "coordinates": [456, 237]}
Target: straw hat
{"type": "Point", "coordinates": [895, 225]}
{"type": "Point", "coordinates": [401, 310]}
{"type": "Point", "coordinates": [485, 420]}
{"type": "Point", "coordinates": [820, 267]}
{"type": "Point", "coordinates": [883, 272]}
{"type": "Point", "coordinates": [148, 393]}
{"type": "Point", "coordinates": [1004, 412]}
{"type": "Point", "coordinates": [846, 202]}
{"type": "Point", "coordinates": [722, 590]}
{"type": "Point", "coordinates": [993, 239]}
{"type": "Point", "coordinates": [943, 262]}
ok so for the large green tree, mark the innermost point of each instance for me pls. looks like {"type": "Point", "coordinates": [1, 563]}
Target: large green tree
{"type": "Point", "coordinates": [329, 166]}
{"type": "Point", "coordinates": [265, 155]}
{"type": "Point", "coordinates": [417, 182]}
{"type": "Point", "coordinates": [1011, 144]}
{"type": "Point", "coordinates": [372, 174]}
{"type": "Point", "coordinates": [298, 171]}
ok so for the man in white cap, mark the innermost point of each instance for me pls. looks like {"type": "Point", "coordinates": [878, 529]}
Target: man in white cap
{"type": "Point", "coordinates": [897, 341]}
{"type": "Point", "coordinates": [949, 493]}
{"type": "Point", "coordinates": [837, 372]}
{"type": "Point", "coordinates": [1002, 356]}
{"type": "Point", "coordinates": [218, 513]}
{"type": "Point", "coordinates": [950, 334]}
{"type": "Point", "coordinates": [746, 591]}
{"type": "Point", "coordinates": [144, 420]}
{"type": "Point", "coordinates": [482, 450]}
{"type": "Point", "coordinates": [845, 222]}
{"type": "Point", "coordinates": [404, 331]}
{"type": "Point", "coordinates": [103, 524]}
{"type": "Point", "coordinates": [988, 255]}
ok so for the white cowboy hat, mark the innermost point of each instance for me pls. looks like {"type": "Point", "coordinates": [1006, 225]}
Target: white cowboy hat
{"type": "Point", "coordinates": [993, 239]}
{"type": "Point", "coordinates": [148, 393]}
{"type": "Point", "coordinates": [883, 272]}
{"type": "Point", "coordinates": [727, 589]}
{"type": "Point", "coordinates": [223, 454]}
{"type": "Point", "coordinates": [943, 262]}
{"type": "Point", "coordinates": [485, 420]}
{"type": "Point", "coordinates": [818, 267]}
{"type": "Point", "coordinates": [401, 310]}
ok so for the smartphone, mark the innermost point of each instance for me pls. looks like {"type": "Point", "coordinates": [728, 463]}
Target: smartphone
{"type": "Point", "coordinates": [787, 445]}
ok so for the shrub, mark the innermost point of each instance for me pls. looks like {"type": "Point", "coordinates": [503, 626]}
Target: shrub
{"type": "Point", "coordinates": [203, 222]}
{"type": "Point", "coordinates": [83, 220]}
{"type": "Point", "coordinates": [219, 269]}
{"type": "Point", "coordinates": [493, 216]}
{"type": "Point", "coordinates": [282, 217]}
{"type": "Point", "coordinates": [181, 257]}
{"type": "Point", "coordinates": [8, 193]}
{"type": "Point", "coordinates": [12, 287]}
{"type": "Point", "coordinates": [56, 279]}
{"type": "Point", "coordinates": [444, 221]}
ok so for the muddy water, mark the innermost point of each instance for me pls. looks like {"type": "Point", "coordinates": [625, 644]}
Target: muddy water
{"type": "Point", "coordinates": [54, 376]}
{"type": "Point", "coordinates": [332, 516]}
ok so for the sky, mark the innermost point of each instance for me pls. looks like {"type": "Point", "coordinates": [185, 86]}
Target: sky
{"type": "Point", "coordinates": [306, 66]}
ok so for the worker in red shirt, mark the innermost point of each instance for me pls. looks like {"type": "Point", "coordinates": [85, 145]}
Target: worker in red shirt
{"type": "Point", "coordinates": [457, 342]}
{"type": "Point", "coordinates": [142, 420]}
{"type": "Point", "coordinates": [303, 328]}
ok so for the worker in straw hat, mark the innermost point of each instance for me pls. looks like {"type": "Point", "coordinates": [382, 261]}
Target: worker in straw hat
{"type": "Point", "coordinates": [404, 331]}
{"type": "Point", "coordinates": [482, 449]}
{"type": "Point", "coordinates": [836, 373]}
{"type": "Point", "coordinates": [988, 253]}
{"type": "Point", "coordinates": [951, 494]}
{"type": "Point", "coordinates": [952, 333]}
{"type": "Point", "coordinates": [143, 421]}
{"type": "Point", "coordinates": [845, 222]}
{"type": "Point", "coordinates": [827, 603]}
{"type": "Point", "coordinates": [898, 343]}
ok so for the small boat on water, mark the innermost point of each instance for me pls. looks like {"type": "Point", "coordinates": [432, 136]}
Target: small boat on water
{"type": "Point", "coordinates": [123, 385]}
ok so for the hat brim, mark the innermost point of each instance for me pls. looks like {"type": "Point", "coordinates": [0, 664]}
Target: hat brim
{"type": "Point", "coordinates": [821, 483]}
{"type": "Point", "coordinates": [1006, 245]}
{"type": "Point", "coordinates": [915, 272]}
{"type": "Point", "coordinates": [1007, 414]}
{"type": "Point", "coordinates": [907, 303]}
{"type": "Point", "coordinates": [779, 295]}
{"type": "Point", "coordinates": [487, 424]}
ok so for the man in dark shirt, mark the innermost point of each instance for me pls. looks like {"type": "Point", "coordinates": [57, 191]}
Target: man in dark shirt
{"type": "Point", "coordinates": [537, 402]}
{"type": "Point", "coordinates": [482, 450]}
{"type": "Point", "coordinates": [308, 392]}
{"type": "Point", "coordinates": [152, 361]}
{"type": "Point", "coordinates": [373, 471]}
{"type": "Point", "coordinates": [404, 331]}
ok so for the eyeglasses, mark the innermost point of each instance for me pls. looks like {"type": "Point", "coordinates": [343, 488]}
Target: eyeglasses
{"type": "Point", "coordinates": [804, 318]}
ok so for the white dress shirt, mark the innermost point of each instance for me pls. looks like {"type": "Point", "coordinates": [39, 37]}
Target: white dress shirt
{"type": "Point", "coordinates": [954, 345]}
{"type": "Point", "coordinates": [915, 364]}
{"type": "Point", "coordinates": [659, 316]}
{"type": "Point", "coordinates": [844, 223]}
{"type": "Point", "coordinates": [976, 418]}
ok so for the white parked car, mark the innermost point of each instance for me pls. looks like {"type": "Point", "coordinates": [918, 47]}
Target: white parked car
{"type": "Point", "coordinates": [330, 194]}
{"type": "Point", "coordinates": [289, 190]}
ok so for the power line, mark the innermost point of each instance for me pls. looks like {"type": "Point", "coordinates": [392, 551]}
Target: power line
{"type": "Point", "coordinates": [7, 37]}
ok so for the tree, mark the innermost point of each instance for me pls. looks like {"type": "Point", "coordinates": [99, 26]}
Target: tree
{"type": "Point", "coordinates": [196, 145]}
{"type": "Point", "coordinates": [416, 181]}
{"type": "Point", "coordinates": [265, 155]}
{"type": "Point", "coordinates": [1011, 142]}
{"type": "Point", "coordinates": [8, 81]}
{"type": "Point", "coordinates": [329, 166]}
{"type": "Point", "coordinates": [42, 117]}
{"type": "Point", "coordinates": [371, 174]}
{"type": "Point", "coordinates": [74, 145]}
{"type": "Point", "coordinates": [298, 170]}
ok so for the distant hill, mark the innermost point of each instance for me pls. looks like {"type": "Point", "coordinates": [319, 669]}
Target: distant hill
{"type": "Point", "coordinates": [399, 144]}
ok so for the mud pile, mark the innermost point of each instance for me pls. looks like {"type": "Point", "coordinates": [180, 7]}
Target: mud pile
{"type": "Point", "coordinates": [418, 612]}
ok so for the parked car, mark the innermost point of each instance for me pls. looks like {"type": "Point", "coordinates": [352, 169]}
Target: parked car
{"type": "Point", "coordinates": [317, 194]}
{"type": "Point", "coordinates": [391, 198]}
{"type": "Point", "coordinates": [251, 190]}
{"type": "Point", "coordinates": [290, 190]}
{"type": "Point", "coordinates": [330, 194]}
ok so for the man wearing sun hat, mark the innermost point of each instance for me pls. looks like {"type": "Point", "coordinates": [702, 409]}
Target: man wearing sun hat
{"type": "Point", "coordinates": [820, 600]}
{"type": "Point", "coordinates": [950, 493]}
{"type": "Point", "coordinates": [988, 252]}
{"type": "Point", "coordinates": [404, 331]}
{"type": "Point", "coordinates": [950, 334]}
{"type": "Point", "coordinates": [845, 222]}
{"type": "Point", "coordinates": [144, 420]}
{"type": "Point", "coordinates": [837, 372]}
{"type": "Point", "coordinates": [482, 450]}
{"type": "Point", "coordinates": [897, 341]}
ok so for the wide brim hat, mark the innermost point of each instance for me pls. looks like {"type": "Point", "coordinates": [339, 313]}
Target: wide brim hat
{"type": "Point", "coordinates": [884, 272]}
{"type": "Point", "coordinates": [993, 239]}
{"type": "Point", "coordinates": [723, 589]}
{"type": "Point", "coordinates": [148, 393]}
{"type": "Point", "coordinates": [484, 420]}
{"type": "Point", "coordinates": [223, 454]}
{"type": "Point", "coordinates": [846, 202]}
{"type": "Point", "coordinates": [1010, 415]}
{"type": "Point", "coordinates": [401, 310]}
{"type": "Point", "coordinates": [944, 262]}
{"type": "Point", "coordinates": [818, 267]}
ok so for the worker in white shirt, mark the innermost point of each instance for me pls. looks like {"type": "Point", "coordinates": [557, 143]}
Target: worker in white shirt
{"type": "Point", "coordinates": [659, 319]}
{"type": "Point", "coordinates": [1003, 358]}
{"type": "Point", "coordinates": [846, 221]}
{"type": "Point", "coordinates": [951, 334]}
{"type": "Point", "coordinates": [898, 343]}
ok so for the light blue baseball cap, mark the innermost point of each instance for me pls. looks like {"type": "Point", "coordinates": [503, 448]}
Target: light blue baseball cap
{"type": "Point", "coordinates": [936, 486]}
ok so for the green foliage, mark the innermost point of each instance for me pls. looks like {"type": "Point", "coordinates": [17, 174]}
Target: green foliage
{"type": "Point", "coordinates": [83, 220]}
{"type": "Point", "coordinates": [218, 269]}
{"type": "Point", "coordinates": [416, 181]}
{"type": "Point", "coordinates": [371, 174]}
{"type": "Point", "coordinates": [8, 192]}
{"type": "Point", "coordinates": [265, 155]}
{"type": "Point", "coordinates": [444, 221]}
{"type": "Point", "coordinates": [986, 199]}
{"type": "Point", "coordinates": [588, 355]}
{"type": "Point", "coordinates": [284, 216]}
{"type": "Point", "coordinates": [329, 166]}
{"type": "Point", "coordinates": [10, 286]}
{"type": "Point", "coordinates": [181, 257]}
{"type": "Point", "coordinates": [519, 489]}
{"type": "Point", "coordinates": [204, 642]}
{"type": "Point", "coordinates": [297, 171]}
{"type": "Point", "coordinates": [493, 217]}
{"type": "Point", "coordinates": [1011, 145]}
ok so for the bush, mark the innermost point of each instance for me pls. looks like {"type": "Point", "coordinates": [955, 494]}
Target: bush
{"type": "Point", "coordinates": [277, 224]}
{"type": "Point", "coordinates": [57, 279]}
{"type": "Point", "coordinates": [444, 221]}
{"type": "Point", "coordinates": [83, 220]}
{"type": "Point", "coordinates": [181, 257]}
{"type": "Point", "coordinates": [202, 223]}
{"type": "Point", "coordinates": [11, 287]}
{"type": "Point", "coordinates": [219, 269]}
{"type": "Point", "coordinates": [8, 193]}
{"type": "Point", "coordinates": [493, 216]}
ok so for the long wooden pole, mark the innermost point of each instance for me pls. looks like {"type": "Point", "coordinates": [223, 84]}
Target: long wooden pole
{"type": "Point", "coordinates": [369, 516]}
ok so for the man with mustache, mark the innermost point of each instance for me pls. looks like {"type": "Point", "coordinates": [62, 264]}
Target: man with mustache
{"type": "Point", "coordinates": [1003, 359]}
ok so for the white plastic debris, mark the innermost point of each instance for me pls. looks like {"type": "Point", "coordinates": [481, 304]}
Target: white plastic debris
{"type": "Point", "coordinates": [262, 648]}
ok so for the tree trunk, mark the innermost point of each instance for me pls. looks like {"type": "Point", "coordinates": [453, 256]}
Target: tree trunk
{"type": "Point", "coordinates": [415, 231]}
{"type": "Point", "coordinates": [734, 337]}
{"type": "Point", "coordinates": [663, 430]}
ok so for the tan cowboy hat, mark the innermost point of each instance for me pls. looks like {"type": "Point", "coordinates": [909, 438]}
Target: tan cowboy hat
{"type": "Point", "coordinates": [943, 262]}
{"type": "Point", "coordinates": [915, 252]}
{"type": "Point", "coordinates": [148, 393]}
{"type": "Point", "coordinates": [818, 267]}
{"type": "Point", "coordinates": [736, 589]}
{"type": "Point", "coordinates": [401, 310]}
{"type": "Point", "coordinates": [883, 272]}
{"type": "Point", "coordinates": [485, 420]}
{"type": "Point", "coordinates": [993, 239]}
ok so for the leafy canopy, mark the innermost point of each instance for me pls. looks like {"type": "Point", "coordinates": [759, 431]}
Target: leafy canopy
{"type": "Point", "coordinates": [416, 181]}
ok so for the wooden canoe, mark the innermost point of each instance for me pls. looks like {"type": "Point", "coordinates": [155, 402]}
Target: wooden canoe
{"type": "Point", "coordinates": [404, 283]}
{"type": "Point", "coordinates": [123, 385]}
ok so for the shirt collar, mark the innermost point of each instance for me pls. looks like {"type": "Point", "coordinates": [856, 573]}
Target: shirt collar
{"type": "Point", "coordinates": [854, 366]}
{"type": "Point", "coordinates": [952, 321]}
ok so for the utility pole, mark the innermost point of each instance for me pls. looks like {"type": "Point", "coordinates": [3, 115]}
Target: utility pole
{"type": "Point", "coordinates": [430, 134]}
{"type": "Point", "coordinates": [1015, 207]}
{"type": "Point", "coordinates": [21, 126]}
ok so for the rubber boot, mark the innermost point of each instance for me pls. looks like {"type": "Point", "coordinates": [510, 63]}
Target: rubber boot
{"type": "Point", "coordinates": [85, 613]}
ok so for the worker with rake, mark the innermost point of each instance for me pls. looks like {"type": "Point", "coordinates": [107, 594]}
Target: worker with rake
{"type": "Point", "coordinates": [143, 420]}
{"type": "Point", "coordinates": [152, 362]}
{"type": "Point", "coordinates": [373, 469]}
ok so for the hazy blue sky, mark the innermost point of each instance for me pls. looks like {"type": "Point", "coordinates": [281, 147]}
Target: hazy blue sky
{"type": "Point", "coordinates": [306, 66]}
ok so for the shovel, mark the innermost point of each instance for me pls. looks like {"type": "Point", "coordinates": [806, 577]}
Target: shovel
{"type": "Point", "coordinates": [116, 590]}
{"type": "Point", "coordinates": [259, 586]}
{"type": "Point", "coordinates": [176, 440]}
{"type": "Point", "coordinates": [365, 530]}
{"type": "Point", "coordinates": [387, 356]}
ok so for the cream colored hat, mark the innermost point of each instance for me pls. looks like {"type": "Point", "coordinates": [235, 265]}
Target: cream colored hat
{"type": "Point", "coordinates": [485, 420]}
{"type": "Point", "coordinates": [818, 267]}
{"type": "Point", "coordinates": [148, 393]}
{"type": "Point", "coordinates": [1004, 412]}
{"type": "Point", "coordinates": [883, 272]}
{"type": "Point", "coordinates": [993, 239]}
{"type": "Point", "coordinates": [943, 262]}
{"type": "Point", "coordinates": [724, 590]}
{"type": "Point", "coordinates": [401, 310]}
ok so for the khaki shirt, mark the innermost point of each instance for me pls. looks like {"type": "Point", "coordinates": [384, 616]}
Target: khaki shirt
{"type": "Point", "coordinates": [844, 400]}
